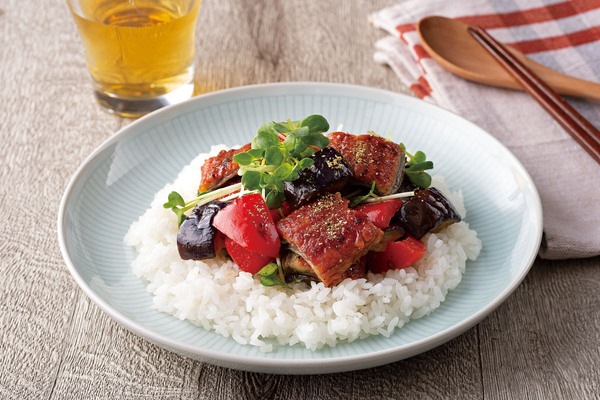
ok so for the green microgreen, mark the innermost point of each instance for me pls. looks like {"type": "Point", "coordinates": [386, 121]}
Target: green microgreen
{"type": "Point", "coordinates": [179, 206]}
{"type": "Point", "coordinates": [273, 161]}
{"type": "Point", "coordinates": [359, 199]}
{"type": "Point", "coordinates": [272, 275]}
{"type": "Point", "coordinates": [415, 168]}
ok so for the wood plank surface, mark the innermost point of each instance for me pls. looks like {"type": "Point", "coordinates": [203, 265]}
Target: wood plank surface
{"type": "Point", "coordinates": [542, 343]}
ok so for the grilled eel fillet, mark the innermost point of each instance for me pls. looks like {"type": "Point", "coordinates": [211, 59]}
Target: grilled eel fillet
{"type": "Point", "coordinates": [372, 158]}
{"type": "Point", "coordinates": [329, 236]}
{"type": "Point", "coordinates": [219, 169]}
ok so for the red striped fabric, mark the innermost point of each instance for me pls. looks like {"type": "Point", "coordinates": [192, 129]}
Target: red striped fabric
{"type": "Point", "coordinates": [420, 52]}
{"type": "Point", "coordinates": [558, 42]}
{"type": "Point", "coordinates": [424, 84]}
{"type": "Point", "coordinates": [530, 16]}
{"type": "Point", "coordinates": [562, 35]}
{"type": "Point", "coordinates": [419, 90]}
{"type": "Point", "coordinates": [402, 29]}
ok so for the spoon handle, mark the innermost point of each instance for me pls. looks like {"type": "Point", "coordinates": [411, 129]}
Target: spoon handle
{"type": "Point", "coordinates": [574, 123]}
{"type": "Point", "coordinates": [561, 83]}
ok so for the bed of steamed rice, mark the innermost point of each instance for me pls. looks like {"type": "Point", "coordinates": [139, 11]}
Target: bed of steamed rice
{"type": "Point", "coordinates": [216, 295]}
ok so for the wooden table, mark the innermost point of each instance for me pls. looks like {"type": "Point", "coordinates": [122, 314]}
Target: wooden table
{"type": "Point", "coordinates": [543, 342]}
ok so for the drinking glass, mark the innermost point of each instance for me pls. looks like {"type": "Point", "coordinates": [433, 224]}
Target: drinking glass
{"type": "Point", "coordinates": [139, 53]}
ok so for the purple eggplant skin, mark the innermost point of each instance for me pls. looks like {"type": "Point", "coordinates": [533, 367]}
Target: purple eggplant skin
{"type": "Point", "coordinates": [329, 173]}
{"type": "Point", "coordinates": [428, 210]}
{"type": "Point", "coordinates": [407, 186]}
{"type": "Point", "coordinates": [196, 235]}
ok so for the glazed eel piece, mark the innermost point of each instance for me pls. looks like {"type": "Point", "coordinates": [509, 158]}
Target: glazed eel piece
{"type": "Point", "coordinates": [330, 236]}
{"type": "Point", "coordinates": [219, 169]}
{"type": "Point", "coordinates": [372, 158]}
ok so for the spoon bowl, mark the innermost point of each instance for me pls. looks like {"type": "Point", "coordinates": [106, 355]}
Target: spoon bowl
{"type": "Point", "coordinates": [449, 43]}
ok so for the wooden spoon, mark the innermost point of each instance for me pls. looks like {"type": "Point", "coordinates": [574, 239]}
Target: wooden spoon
{"type": "Point", "coordinates": [450, 44]}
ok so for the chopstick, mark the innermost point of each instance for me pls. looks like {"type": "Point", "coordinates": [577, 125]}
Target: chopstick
{"type": "Point", "coordinates": [574, 123]}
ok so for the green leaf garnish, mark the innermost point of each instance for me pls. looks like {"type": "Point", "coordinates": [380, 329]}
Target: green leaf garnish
{"type": "Point", "coordinates": [359, 199]}
{"type": "Point", "coordinates": [179, 206]}
{"type": "Point", "coordinates": [272, 161]}
{"type": "Point", "coordinates": [174, 200]}
{"type": "Point", "coordinates": [274, 199]}
{"type": "Point", "coordinates": [265, 139]}
{"type": "Point", "coordinates": [274, 155]}
{"type": "Point", "coordinates": [315, 123]}
{"type": "Point", "coordinates": [415, 168]}
{"type": "Point", "coordinates": [245, 158]}
{"type": "Point", "coordinates": [271, 275]}
{"type": "Point", "coordinates": [251, 179]}
{"type": "Point", "coordinates": [284, 172]}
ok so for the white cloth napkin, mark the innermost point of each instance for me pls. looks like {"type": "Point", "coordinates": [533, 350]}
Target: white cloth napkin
{"type": "Point", "coordinates": [563, 35]}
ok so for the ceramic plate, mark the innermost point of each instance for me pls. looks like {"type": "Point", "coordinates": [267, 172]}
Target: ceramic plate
{"type": "Point", "coordinates": [129, 168]}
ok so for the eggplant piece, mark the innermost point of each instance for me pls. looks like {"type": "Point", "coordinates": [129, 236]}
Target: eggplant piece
{"type": "Point", "coordinates": [427, 211]}
{"type": "Point", "coordinates": [296, 268]}
{"type": "Point", "coordinates": [357, 270]}
{"type": "Point", "coordinates": [407, 185]}
{"type": "Point", "coordinates": [391, 234]}
{"type": "Point", "coordinates": [329, 173]}
{"type": "Point", "coordinates": [196, 235]}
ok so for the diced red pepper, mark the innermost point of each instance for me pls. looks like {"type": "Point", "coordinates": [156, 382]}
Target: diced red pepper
{"type": "Point", "coordinates": [248, 261]}
{"type": "Point", "coordinates": [248, 222]}
{"type": "Point", "coordinates": [380, 213]}
{"type": "Point", "coordinates": [286, 208]}
{"type": "Point", "coordinates": [397, 255]}
{"type": "Point", "coordinates": [275, 215]}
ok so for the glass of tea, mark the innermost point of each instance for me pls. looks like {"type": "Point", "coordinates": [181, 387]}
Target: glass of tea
{"type": "Point", "coordinates": [140, 53]}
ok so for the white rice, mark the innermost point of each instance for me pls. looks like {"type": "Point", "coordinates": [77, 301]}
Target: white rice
{"type": "Point", "coordinates": [216, 295]}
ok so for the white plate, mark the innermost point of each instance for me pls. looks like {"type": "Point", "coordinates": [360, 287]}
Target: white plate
{"type": "Point", "coordinates": [117, 182]}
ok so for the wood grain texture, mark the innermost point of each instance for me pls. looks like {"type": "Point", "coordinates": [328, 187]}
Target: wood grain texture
{"type": "Point", "coordinates": [544, 342]}
{"type": "Point", "coordinates": [56, 344]}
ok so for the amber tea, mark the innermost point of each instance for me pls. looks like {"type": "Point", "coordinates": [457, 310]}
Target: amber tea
{"type": "Point", "coordinates": [140, 53]}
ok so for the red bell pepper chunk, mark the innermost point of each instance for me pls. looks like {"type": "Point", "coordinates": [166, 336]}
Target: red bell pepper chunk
{"type": "Point", "coordinates": [286, 208]}
{"type": "Point", "coordinates": [248, 261]}
{"type": "Point", "coordinates": [380, 213]}
{"type": "Point", "coordinates": [275, 215]}
{"type": "Point", "coordinates": [248, 222]}
{"type": "Point", "coordinates": [397, 255]}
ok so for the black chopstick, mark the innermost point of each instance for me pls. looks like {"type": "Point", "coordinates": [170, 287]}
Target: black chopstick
{"type": "Point", "coordinates": [574, 123]}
